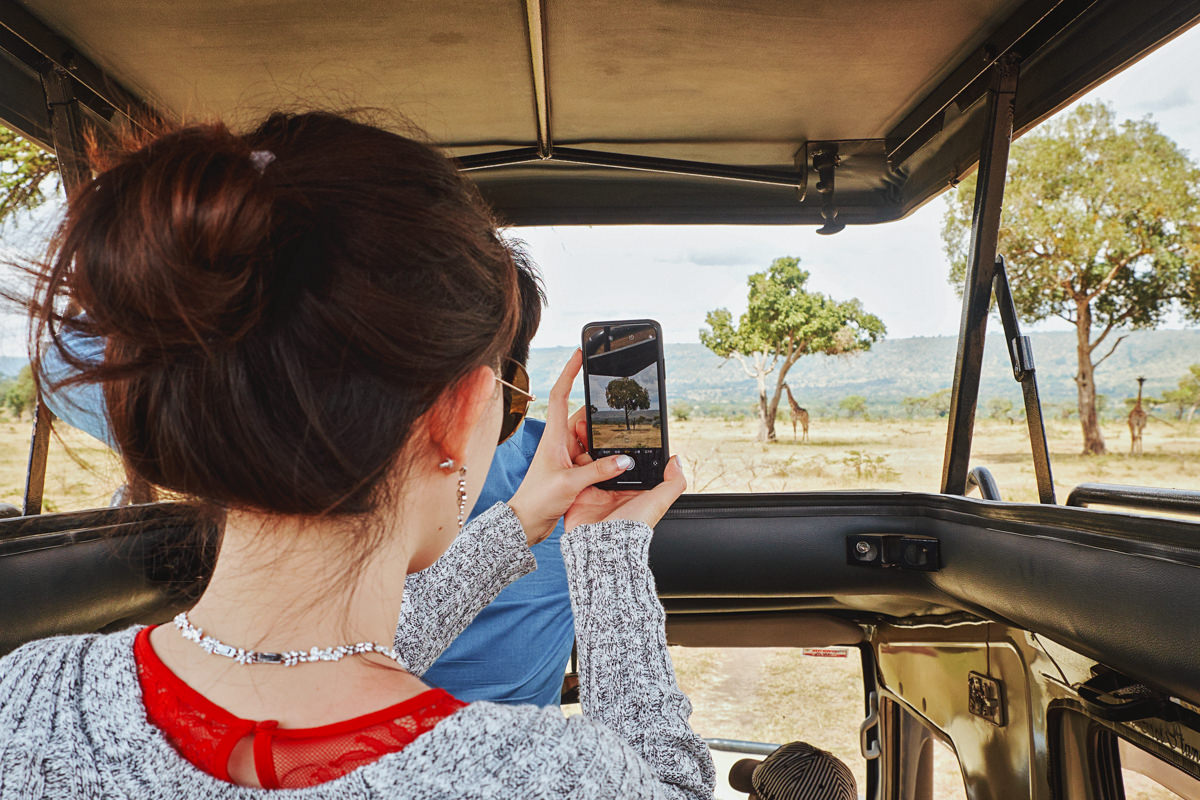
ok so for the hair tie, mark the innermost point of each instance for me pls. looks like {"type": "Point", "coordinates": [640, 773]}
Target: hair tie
{"type": "Point", "coordinates": [261, 159]}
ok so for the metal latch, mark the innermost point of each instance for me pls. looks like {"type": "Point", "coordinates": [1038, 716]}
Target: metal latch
{"type": "Point", "coordinates": [1020, 351]}
{"type": "Point", "coordinates": [985, 698]}
{"type": "Point", "coordinates": [1110, 695]}
{"type": "Point", "coordinates": [923, 553]}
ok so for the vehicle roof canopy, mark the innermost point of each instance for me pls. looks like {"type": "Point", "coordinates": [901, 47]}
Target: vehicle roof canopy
{"type": "Point", "coordinates": [715, 109]}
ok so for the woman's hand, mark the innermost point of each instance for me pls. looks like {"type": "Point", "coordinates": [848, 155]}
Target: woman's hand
{"type": "Point", "coordinates": [597, 505]}
{"type": "Point", "coordinates": [561, 468]}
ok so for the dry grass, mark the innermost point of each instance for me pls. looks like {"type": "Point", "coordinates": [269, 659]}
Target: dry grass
{"type": "Point", "coordinates": [80, 472]}
{"type": "Point", "coordinates": [775, 695]}
{"type": "Point", "coordinates": [907, 455]}
{"type": "Point", "coordinates": [724, 457]}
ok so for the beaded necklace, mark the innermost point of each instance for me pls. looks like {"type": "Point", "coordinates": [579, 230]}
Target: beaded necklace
{"type": "Point", "coordinates": [288, 659]}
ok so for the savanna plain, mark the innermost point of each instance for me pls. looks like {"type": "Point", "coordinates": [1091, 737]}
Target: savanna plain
{"type": "Point", "coordinates": [770, 694]}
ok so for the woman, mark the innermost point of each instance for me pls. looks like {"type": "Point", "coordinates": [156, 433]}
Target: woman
{"type": "Point", "coordinates": [305, 327]}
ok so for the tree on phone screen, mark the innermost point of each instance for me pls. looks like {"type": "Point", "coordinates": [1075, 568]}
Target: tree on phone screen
{"type": "Point", "coordinates": [626, 394]}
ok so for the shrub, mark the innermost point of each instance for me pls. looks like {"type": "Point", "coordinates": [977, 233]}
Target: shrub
{"type": "Point", "coordinates": [867, 466]}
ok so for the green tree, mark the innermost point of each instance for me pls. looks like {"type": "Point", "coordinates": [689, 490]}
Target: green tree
{"type": "Point", "coordinates": [1187, 397]}
{"type": "Point", "coordinates": [26, 172]}
{"type": "Point", "coordinates": [784, 321]}
{"type": "Point", "coordinates": [627, 395]}
{"type": "Point", "coordinates": [939, 402]}
{"type": "Point", "coordinates": [1101, 228]}
{"type": "Point", "coordinates": [1001, 408]}
{"type": "Point", "coordinates": [854, 405]}
{"type": "Point", "coordinates": [20, 394]}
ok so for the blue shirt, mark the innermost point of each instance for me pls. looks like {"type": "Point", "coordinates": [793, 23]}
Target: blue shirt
{"type": "Point", "coordinates": [81, 405]}
{"type": "Point", "coordinates": [516, 650]}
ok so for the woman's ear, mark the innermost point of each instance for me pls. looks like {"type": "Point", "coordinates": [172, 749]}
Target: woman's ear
{"type": "Point", "coordinates": [459, 410]}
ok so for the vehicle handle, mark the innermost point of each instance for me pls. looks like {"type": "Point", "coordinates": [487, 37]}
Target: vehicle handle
{"type": "Point", "coordinates": [870, 750]}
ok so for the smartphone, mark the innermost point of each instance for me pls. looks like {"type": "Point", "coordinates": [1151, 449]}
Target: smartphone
{"type": "Point", "coordinates": [624, 386]}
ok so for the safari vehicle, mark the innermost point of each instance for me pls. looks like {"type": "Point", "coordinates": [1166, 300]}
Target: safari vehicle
{"type": "Point", "coordinates": [1049, 645]}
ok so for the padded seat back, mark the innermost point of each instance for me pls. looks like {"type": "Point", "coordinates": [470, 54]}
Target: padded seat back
{"type": "Point", "coordinates": [101, 570]}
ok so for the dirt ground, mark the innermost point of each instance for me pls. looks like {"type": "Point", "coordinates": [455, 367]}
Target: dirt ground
{"type": "Point", "coordinates": [769, 694]}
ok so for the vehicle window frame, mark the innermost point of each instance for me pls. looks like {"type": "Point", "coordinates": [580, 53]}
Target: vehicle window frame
{"type": "Point", "coordinates": [1085, 758]}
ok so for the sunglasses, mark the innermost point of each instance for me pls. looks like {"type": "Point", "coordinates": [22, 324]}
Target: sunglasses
{"type": "Point", "coordinates": [515, 386]}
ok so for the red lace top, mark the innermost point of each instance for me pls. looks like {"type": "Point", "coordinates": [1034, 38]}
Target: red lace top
{"type": "Point", "coordinates": [284, 758]}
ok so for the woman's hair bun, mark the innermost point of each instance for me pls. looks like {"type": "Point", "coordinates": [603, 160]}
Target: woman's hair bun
{"type": "Point", "coordinates": [172, 242]}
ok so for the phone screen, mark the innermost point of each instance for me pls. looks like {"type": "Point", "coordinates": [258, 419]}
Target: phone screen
{"type": "Point", "coordinates": [623, 385]}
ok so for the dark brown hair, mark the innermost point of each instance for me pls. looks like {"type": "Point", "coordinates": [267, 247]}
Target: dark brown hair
{"type": "Point", "coordinates": [280, 307]}
{"type": "Point", "coordinates": [532, 298]}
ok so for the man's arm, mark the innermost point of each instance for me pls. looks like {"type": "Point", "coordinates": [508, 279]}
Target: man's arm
{"type": "Point", "coordinates": [82, 405]}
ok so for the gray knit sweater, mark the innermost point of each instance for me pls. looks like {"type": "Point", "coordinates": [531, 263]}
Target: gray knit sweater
{"type": "Point", "coordinates": [72, 723]}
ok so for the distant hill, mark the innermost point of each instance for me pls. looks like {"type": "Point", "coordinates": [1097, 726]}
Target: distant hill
{"type": "Point", "coordinates": [897, 368]}
{"type": "Point", "coordinates": [892, 370]}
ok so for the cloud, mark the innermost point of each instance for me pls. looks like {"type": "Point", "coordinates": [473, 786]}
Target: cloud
{"type": "Point", "coordinates": [742, 254]}
{"type": "Point", "coordinates": [1179, 97]}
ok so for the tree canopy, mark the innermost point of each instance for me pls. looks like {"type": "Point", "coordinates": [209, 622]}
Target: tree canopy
{"type": "Point", "coordinates": [1187, 397]}
{"type": "Point", "coordinates": [19, 394]}
{"type": "Point", "coordinates": [854, 405]}
{"type": "Point", "coordinates": [627, 395]}
{"type": "Point", "coordinates": [26, 171]}
{"type": "Point", "coordinates": [785, 321]}
{"type": "Point", "coordinates": [1101, 228]}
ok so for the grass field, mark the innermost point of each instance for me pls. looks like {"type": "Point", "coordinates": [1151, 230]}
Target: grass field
{"type": "Point", "coordinates": [613, 435]}
{"type": "Point", "coordinates": [908, 454]}
{"type": "Point", "coordinates": [768, 694]}
{"type": "Point", "coordinates": [80, 473]}
{"type": "Point", "coordinates": [724, 457]}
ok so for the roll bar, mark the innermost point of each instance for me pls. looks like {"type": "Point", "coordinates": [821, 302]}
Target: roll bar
{"type": "Point", "coordinates": [1180, 501]}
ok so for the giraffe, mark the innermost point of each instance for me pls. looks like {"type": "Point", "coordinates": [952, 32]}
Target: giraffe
{"type": "Point", "coordinates": [798, 413]}
{"type": "Point", "coordinates": [1137, 421]}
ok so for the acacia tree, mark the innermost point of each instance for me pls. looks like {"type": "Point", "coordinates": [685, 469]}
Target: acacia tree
{"type": "Point", "coordinates": [1187, 397]}
{"type": "Point", "coordinates": [26, 172]}
{"type": "Point", "coordinates": [1101, 228]}
{"type": "Point", "coordinates": [854, 405]}
{"type": "Point", "coordinates": [627, 395]}
{"type": "Point", "coordinates": [784, 322]}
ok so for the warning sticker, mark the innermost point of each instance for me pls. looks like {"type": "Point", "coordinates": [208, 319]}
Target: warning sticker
{"type": "Point", "coordinates": [825, 652]}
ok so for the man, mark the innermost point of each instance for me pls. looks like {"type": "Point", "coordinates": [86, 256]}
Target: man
{"type": "Point", "coordinates": [516, 650]}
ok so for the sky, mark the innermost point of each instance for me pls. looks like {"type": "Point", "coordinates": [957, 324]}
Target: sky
{"type": "Point", "coordinates": [675, 274]}
{"type": "Point", "coordinates": [897, 269]}
{"type": "Point", "coordinates": [648, 378]}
